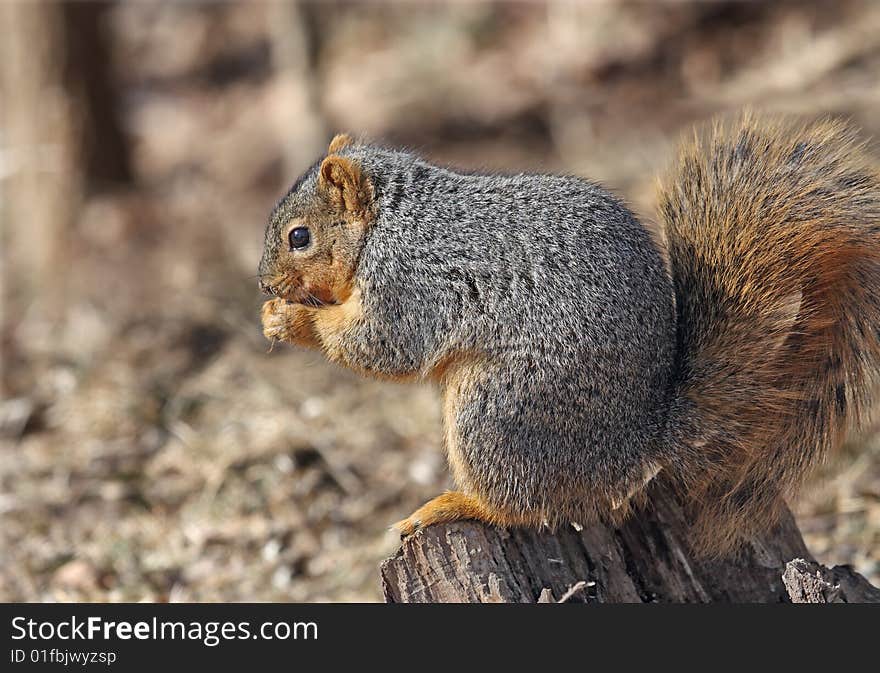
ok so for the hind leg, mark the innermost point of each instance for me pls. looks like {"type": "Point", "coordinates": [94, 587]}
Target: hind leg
{"type": "Point", "coordinates": [455, 506]}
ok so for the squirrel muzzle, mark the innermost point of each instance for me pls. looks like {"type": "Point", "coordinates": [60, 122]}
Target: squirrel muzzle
{"type": "Point", "coordinates": [294, 290]}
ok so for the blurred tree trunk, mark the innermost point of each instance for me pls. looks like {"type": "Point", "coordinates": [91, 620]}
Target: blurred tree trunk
{"type": "Point", "coordinates": [295, 49]}
{"type": "Point", "coordinates": [41, 180]}
{"type": "Point", "coordinates": [88, 80]}
{"type": "Point", "coordinates": [60, 136]}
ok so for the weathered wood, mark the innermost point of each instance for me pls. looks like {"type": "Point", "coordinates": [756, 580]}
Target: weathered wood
{"type": "Point", "coordinates": [647, 559]}
{"type": "Point", "coordinates": [809, 582]}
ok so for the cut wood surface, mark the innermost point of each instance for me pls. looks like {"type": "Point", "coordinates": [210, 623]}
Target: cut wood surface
{"type": "Point", "coordinates": [645, 560]}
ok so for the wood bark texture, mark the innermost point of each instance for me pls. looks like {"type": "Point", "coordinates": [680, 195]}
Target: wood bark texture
{"type": "Point", "coordinates": [645, 560]}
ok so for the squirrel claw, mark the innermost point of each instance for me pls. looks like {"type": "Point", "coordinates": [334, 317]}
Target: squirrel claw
{"type": "Point", "coordinates": [407, 527]}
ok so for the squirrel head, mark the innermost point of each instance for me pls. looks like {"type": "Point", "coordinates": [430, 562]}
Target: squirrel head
{"type": "Point", "coordinates": [316, 232]}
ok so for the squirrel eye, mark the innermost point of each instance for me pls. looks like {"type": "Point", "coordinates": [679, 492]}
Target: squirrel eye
{"type": "Point", "coordinates": [298, 238]}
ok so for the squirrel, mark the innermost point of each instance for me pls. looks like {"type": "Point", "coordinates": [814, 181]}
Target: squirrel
{"type": "Point", "coordinates": [579, 356]}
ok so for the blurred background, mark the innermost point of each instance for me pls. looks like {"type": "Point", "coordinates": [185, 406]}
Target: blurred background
{"type": "Point", "coordinates": [151, 448]}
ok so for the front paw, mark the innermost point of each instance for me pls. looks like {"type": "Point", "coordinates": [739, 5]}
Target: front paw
{"type": "Point", "coordinates": [276, 316]}
{"type": "Point", "coordinates": [292, 323]}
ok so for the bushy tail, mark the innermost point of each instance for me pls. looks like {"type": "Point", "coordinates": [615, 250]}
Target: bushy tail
{"type": "Point", "coordinates": [773, 233]}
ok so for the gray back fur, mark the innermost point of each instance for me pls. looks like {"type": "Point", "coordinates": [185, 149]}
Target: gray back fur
{"type": "Point", "coordinates": [552, 283]}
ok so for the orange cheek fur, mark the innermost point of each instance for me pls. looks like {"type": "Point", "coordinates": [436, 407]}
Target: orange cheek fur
{"type": "Point", "coordinates": [331, 283]}
{"type": "Point", "coordinates": [327, 283]}
{"type": "Point", "coordinates": [318, 287]}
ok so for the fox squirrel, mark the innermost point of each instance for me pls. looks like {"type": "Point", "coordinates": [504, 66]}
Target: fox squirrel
{"type": "Point", "coordinates": [578, 356]}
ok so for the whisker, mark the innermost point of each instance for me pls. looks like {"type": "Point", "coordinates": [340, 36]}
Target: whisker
{"type": "Point", "coordinates": [316, 300]}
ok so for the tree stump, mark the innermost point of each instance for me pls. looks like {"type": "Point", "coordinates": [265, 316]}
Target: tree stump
{"type": "Point", "coordinates": [646, 560]}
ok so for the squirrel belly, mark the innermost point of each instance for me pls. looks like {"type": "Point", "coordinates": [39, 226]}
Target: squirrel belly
{"type": "Point", "coordinates": [577, 357]}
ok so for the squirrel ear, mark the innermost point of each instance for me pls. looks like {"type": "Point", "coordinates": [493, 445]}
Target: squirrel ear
{"type": "Point", "coordinates": [344, 183]}
{"type": "Point", "coordinates": [339, 141]}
